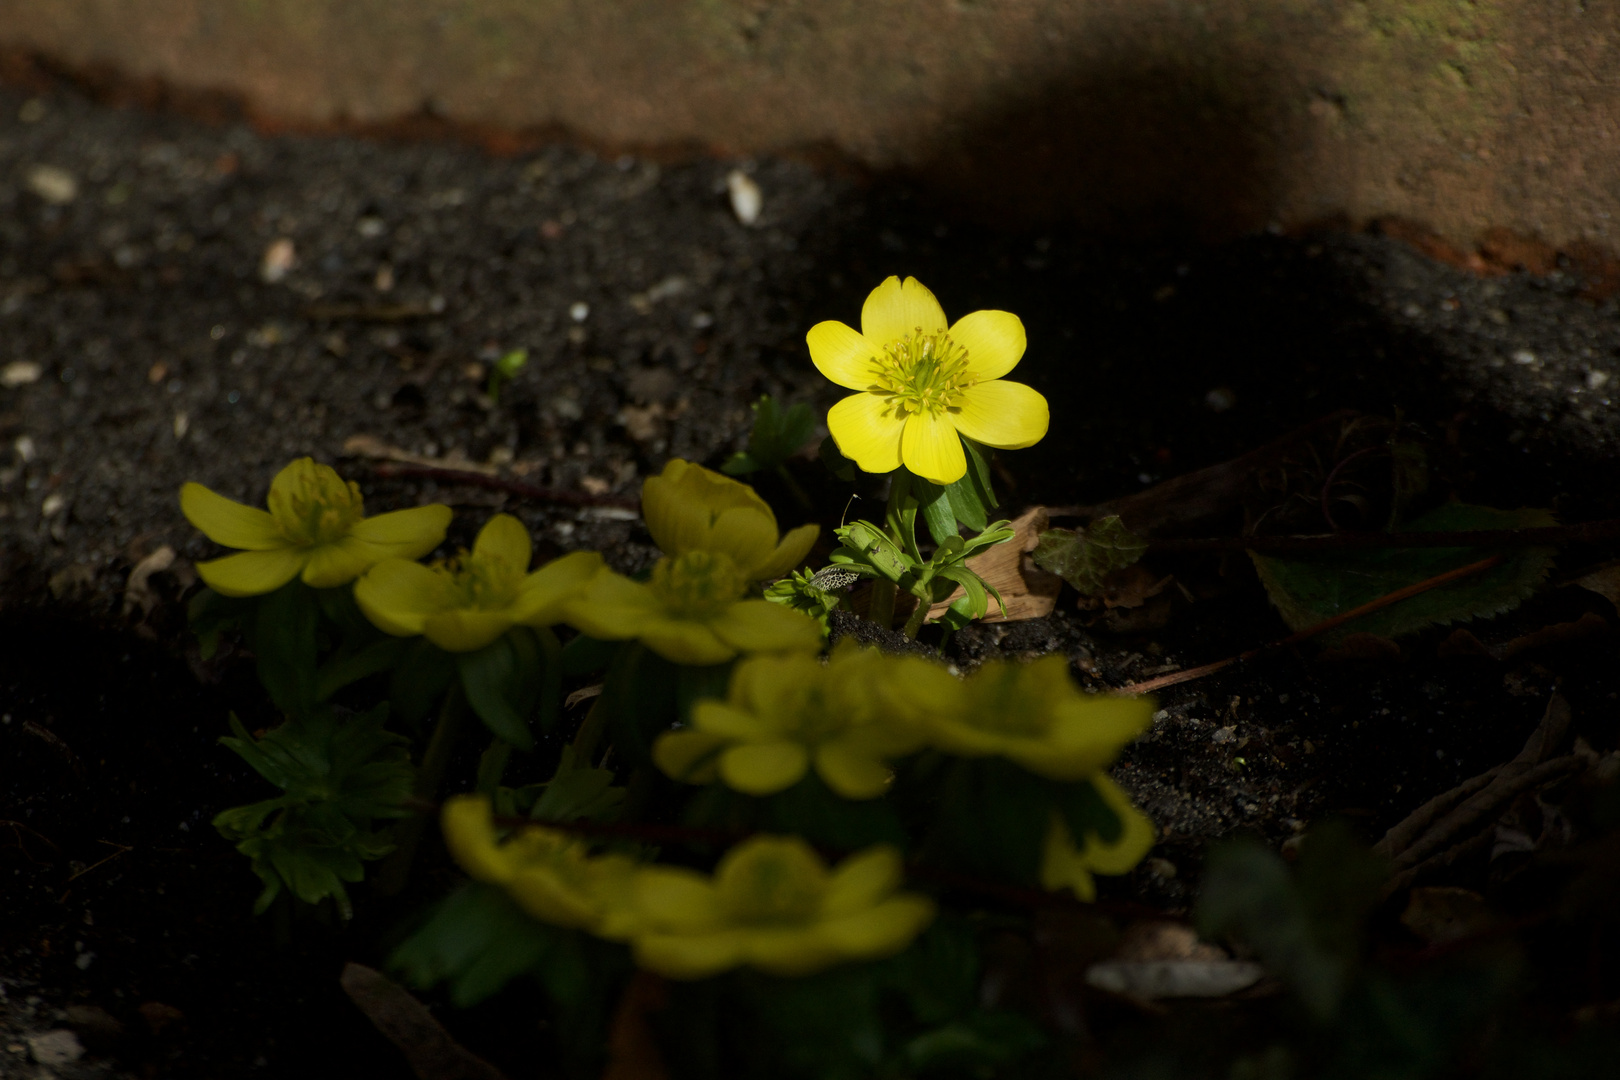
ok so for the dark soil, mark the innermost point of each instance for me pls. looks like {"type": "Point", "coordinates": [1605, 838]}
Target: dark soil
{"type": "Point", "coordinates": [164, 356]}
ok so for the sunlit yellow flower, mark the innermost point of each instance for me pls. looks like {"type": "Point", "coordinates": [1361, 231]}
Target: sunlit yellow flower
{"type": "Point", "coordinates": [552, 875]}
{"type": "Point", "coordinates": [691, 610]}
{"type": "Point", "coordinates": [1033, 714]}
{"type": "Point", "coordinates": [784, 714]}
{"type": "Point", "coordinates": [922, 382]}
{"type": "Point", "coordinates": [467, 602]}
{"type": "Point", "coordinates": [1065, 865]}
{"type": "Point", "coordinates": [690, 508]}
{"type": "Point", "coordinates": [315, 527]}
{"type": "Point", "coordinates": [773, 905]}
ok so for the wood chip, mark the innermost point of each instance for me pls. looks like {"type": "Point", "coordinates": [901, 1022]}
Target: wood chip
{"type": "Point", "coordinates": [428, 1048]}
{"type": "Point", "coordinates": [1028, 591]}
{"type": "Point", "coordinates": [370, 446]}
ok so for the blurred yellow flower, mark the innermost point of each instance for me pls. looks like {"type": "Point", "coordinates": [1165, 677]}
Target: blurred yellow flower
{"type": "Point", "coordinates": [773, 905]}
{"type": "Point", "coordinates": [465, 603]}
{"type": "Point", "coordinates": [1065, 865]}
{"type": "Point", "coordinates": [552, 875]}
{"type": "Point", "coordinates": [315, 528]}
{"type": "Point", "coordinates": [691, 610]}
{"type": "Point", "coordinates": [690, 508]}
{"type": "Point", "coordinates": [1032, 714]}
{"type": "Point", "coordinates": [921, 383]}
{"type": "Point", "coordinates": [786, 714]}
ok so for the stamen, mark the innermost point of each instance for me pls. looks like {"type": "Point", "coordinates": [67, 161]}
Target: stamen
{"type": "Point", "coordinates": [922, 373]}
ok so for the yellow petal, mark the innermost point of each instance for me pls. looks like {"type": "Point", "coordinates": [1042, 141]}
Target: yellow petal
{"type": "Point", "coordinates": [867, 432]}
{"type": "Point", "coordinates": [842, 354]}
{"type": "Point", "coordinates": [1006, 415]}
{"type": "Point", "coordinates": [613, 608]}
{"type": "Point", "coordinates": [895, 309]}
{"type": "Point", "coordinates": [1133, 844]}
{"type": "Point", "coordinates": [789, 951]}
{"type": "Point", "coordinates": [397, 596]}
{"type": "Point", "coordinates": [850, 773]}
{"type": "Point", "coordinates": [683, 507]}
{"type": "Point", "coordinates": [862, 880]}
{"type": "Point", "coordinates": [748, 537]}
{"type": "Point", "coordinates": [542, 894]}
{"type": "Point", "coordinates": [764, 768]}
{"type": "Point", "coordinates": [339, 563]}
{"type": "Point", "coordinates": [227, 522]}
{"type": "Point", "coordinates": [685, 642]}
{"type": "Point", "coordinates": [994, 341]}
{"type": "Point", "coordinates": [546, 594]}
{"type": "Point", "coordinates": [931, 449]}
{"type": "Point", "coordinates": [404, 534]}
{"type": "Point", "coordinates": [466, 629]}
{"type": "Point", "coordinates": [688, 756]}
{"type": "Point", "coordinates": [729, 723]}
{"type": "Point", "coordinates": [503, 537]}
{"type": "Point", "coordinates": [675, 898]}
{"type": "Point", "coordinates": [469, 834]}
{"type": "Point", "coordinates": [252, 573]}
{"type": "Point", "coordinates": [1062, 865]}
{"type": "Point", "coordinates": [761, 626]}
{"type": "Point", "coordinates": [882, 930]}
{"type": "Point", "coordinates": [792, 550]}
{"type": "Point", "coordinates": [682, 957]}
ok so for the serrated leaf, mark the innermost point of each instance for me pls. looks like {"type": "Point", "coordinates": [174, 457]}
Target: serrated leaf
{"type": "Point", "coordinates": [576, 790]}
{"type": "Point", "coordinates": [1084, 557]}
{"type": "Point", "coordinates": [1307, 590]}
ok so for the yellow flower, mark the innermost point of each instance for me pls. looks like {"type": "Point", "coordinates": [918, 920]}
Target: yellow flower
{"type": "Point", "coordinates": [690, 508]}
{"type": "Point", "coordinates": [772, 904]}
{"type": "Point", "coordinates": [465, 603]}
{"type": "Point", "coordinates": [691, 610]}
{"type": "Point", "coordinates": [921, 383]}
{"type": "Point", "coordinates": [1033, 714]}
{"type": "Point", "coordinates": [550, 874]}
{"type": "Point", "coordinates": [1063, 865]}
{"type": "Point", "coordinates": [785, 714]}
{"type": "Point", "coordinates": [315, 527]}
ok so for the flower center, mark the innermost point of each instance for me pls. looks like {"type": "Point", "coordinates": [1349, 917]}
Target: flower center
{"type": "Point", "coordinates": [772, 881]}
{"type": "Point", "coordinates": [922, 373]}
{"type": "Point", "coordinates": [698, 584]}
{"type": "Point", "coordinates": [317, 507]}
{"type": "Point", "coordinates": [486, 582]}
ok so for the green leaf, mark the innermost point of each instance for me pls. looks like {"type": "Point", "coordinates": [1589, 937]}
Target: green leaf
{"type": "Point", "coordinates": [372, 659]}
{"type": "Point", "coordinates": [1084, 557]}
{"type": "Point", "coordinates": [337, 778]}
{"type": "Point", "coordinates": [576, 790]}
{"type": "Point", "coordinates": [1086, 814]}
{"type": "Point", "coordinates": [976, 1042]}
{"type": "Point", "coordinates": [478, 940]}
{"type": "Point", "coordinates": [586, 656]}
{"type": "Point", "coordinates": [868, 545]}
{"type": "Point", "coordinates": [814, 811]}
{"type": "Point", "coordinates": [971, 498]}
{"type": "Point", "coordinates": [209, 614]}
{"type": "Point", "coordinates": [776, 436]}
{"type": "Point", "coordinates": [502, 682]}
{"type": "Point", "coordinates": [421, 677]}
{"type": "Point", "coordinates": [800, 591]}
{"type": "Point", "coordinates": [1309, 589]}
{"type": "Point", "coordinates": [934, 502]}
{"type": "Point", "coordinates": [640, 696]}
{"type": "Point", "coordinates": [283, 638]}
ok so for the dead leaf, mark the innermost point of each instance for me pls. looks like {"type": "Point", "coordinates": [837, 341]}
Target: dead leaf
{"type": "Point", "coordinates": [138, 588]}
{"type": "Point", "coordinates": [71, 582]}
{"type": "Point", "coordinates": [370, 446]}
{"type": "Point", "coordinates": [428, 1048]}
{"type": "Point", "coordinates": [1156, 940]}
{"type": "Point", "coordinates": [1027, 591]}
{"type": "Point", "coordinates": [1150, 980]}
{"type": "Point", "coordinates": [584, 693]}
{"type": "Point", "coordinates": [1132, 587]}
{"type": "Point", "coordinates": [1464, 643]}
{"type": "Point", "coordinates": [1443, 913]}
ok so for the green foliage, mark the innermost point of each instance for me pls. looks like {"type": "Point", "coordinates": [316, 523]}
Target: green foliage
{"type": "Point", "coordinates": [337, 777]}
{"type": "Point", "coordinates": [504, 370]}
{"type": "Point", "coordinates": [1309, 589]}
{"type": "Point", "coordinates": [1085, 557]}
{"type": "Point", "coordinates": [801, 592]}
{"type": "Point", "coordinates": [282, 634]}
{"type": "Point", "coordinates": [503, 681]}
{"type": "Point", "coordinates": [777, 435]}
{"type": "Point", "coordinates": [575, 791]}
{"type": "Point", "coordinates": [892, 554]}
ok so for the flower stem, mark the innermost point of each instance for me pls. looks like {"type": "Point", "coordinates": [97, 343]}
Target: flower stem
{"type": "Point", "coordinates": [881, 610]}
{"type": "Point", "coordinates": [918, 616]}
{"type": "Point", "coordinates": [396, 868]}
{"type": "Point", "coordinates": [492, 766]}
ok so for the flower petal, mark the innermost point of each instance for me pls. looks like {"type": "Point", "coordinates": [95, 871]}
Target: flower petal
{"type": "Point", "coordinates": [546, 594]}
{"type": "Point", "coordinates": [1134, 843]}
{"type": "Point", "coordinates": [252, 573]}
{"type": "Point", "coordinates": [730, 724]}
{"type": "Point", "coordinates": [688, 756]}
{"type": "Point", "coordinates": [469, 834]}
{"type": "Point", "coordinates": [862, 880]}
{"type": "Point", "coordinates": [1006, 415]}
{"type": "Point", "coordinates": [679, 899]}
{"type": "Point", "coordinates": [339, 563]}
{"type": "Point", "coordinates": [764, 768]}
{"type": "Point", "coordinates": [761, 626]}
{"type": "Point", "coordinates": [503, 537]}
{"type": "Point", "coordinates": [404, 534]}
{"type": "Point", "coordinates": [466, 629]}
{"type": "Point", "coordinates": [789, 951]}
{"type": "Point", "coordinates": [397, 596]}
{"type": "Point", "coordinates": [842, 354]}
{"type": "Point", "coordinates": [748, 537]}
{"type": "Point", "coordinates": [931, 449]}
{"type": "Point", "coordinates": [1062, 864]}
{"type": "Point", "coordinates": [879, 931]}
{"type": "Point", "coordinates": [687, 957]}
{"type": "Point", "coordinates": [867, 432]}
{"type": "Point", "coordinates": [683, 507]}
{"type": "Point", "coordinates": [895, 309]}
{"type": "Point", "coordinates": [994, 341]}
{"type": "Point", "coordinates": [685, 642]}
{"type": "Point", "coordinates": [789, 553]}
{"type": "Point", "coordinates": [227, 522]}
{"type": "Point", "coordinates": [613, 608]}
{"type": "Point", "coordinates": [850, 773]}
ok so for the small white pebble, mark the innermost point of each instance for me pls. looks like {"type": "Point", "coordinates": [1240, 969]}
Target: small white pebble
{"type": "Point", "coordinates": [1524, 357]}
{"type": "Point", "coordinates": [746, 198]}
{"type": "Point", "coordinates": [59, 1047]}
{"type": "Point", "coordinates": [20, 373]}
{"type": "Point", "coordinates": [56, 186]}
{"type": "Point", "coordinates": [579, 311]}
{"type": "Point", "coordinates": [279, 259]}
{"type": "Point", "coordinates": [25, 448]}
{"type": "Point", "coordinates": [1596, 380]}
{"type": "Point", "coordinates": [52, 505]}
{"type": "Point", "coordinates": [182, 424]}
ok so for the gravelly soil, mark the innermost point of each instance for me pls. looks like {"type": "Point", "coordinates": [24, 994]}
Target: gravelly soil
{"type": "Point", "coordinates": [653, 318]}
